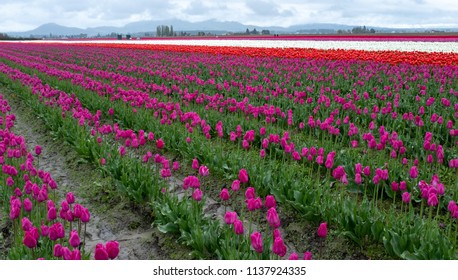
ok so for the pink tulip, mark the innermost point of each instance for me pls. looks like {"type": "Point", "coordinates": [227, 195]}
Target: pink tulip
{"type": "Point", "coordinates": [197, 195]}
{"type": "Point", "coordinates": [26, 224]}
{"type": "Point", "coordinates": [243, 176]}
{"type": "Point", "coordinates": [238, 227]}
{"type": "Point", "coordinates": [413, 172]}
{"type": "Point", "coordinates": [27, 205]}
{"type": "Point", "coordinates": [70, 198]}
{"type": "Point", "coordinates": [195, 164]}
{"type": "Point", "coordinates": [293, 256]}
{"type": "Point", "coordinates": [76, 255]}
{"type": "Point", "coordinates": [406, 197]}
{"type": "Point", "coordinates": [250, 193]}
{"type": "Point", "coordinates": [74, 239]}
{"type": "Point", "coordinates": [29, 240]}
{"type": "Point", "coordinates": [44, 230]}
{"type": "Point", "coordinates": [256, 242]}
{"type": "Point", "coordinates": [14, 212]}
{"type": "Point", "coordinates": [191, 182]}
{"type": "Point", "coordinates": [270, 202]}
{"type": "Point", "coordinates": [251, 204]}
{"type": "Point", "coordinates": [67, 254]}
{"type": "Point", "coordinates": [224, 194]}
{"type": "Point", "coordinates": [37, 150]}
{"type": "Point", "coordinates": [57, 251]}
{"type": "Point", "coordinates": [230, 217]}
{"type": "Point", "coordinates": [85, 215]}
{"type": "Point", "coordinates": [159, 143]}
{"type": "Point", "coordinates": [394, 186]}
{"type": "Point", "coordinates": [100, 252]}
{"type": "Point", "coordinates": [432, 199]}
{"type": "Point", "coordinates": [112, 248]}
{"type": "Point", "coordinates": [279, 247]}
{"type": "Point", "coordinates": [272, 218]}
{"type": "Point", "coordinates": [307, 256]}
{"type": "Point", "coordinates": [322, 230]}
{"type": "Point", "coordinates": [235, 185]}
{"type": "Point", "coordinates": [358, 179]}
{"type": "Point", "coordinates": [403, 185]}
{"type": "Point", "coordinates": [367, 171]}
{"type": "Point", "coordinates": [204, 171]}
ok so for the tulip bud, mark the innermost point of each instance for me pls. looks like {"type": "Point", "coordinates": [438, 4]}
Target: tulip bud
{"type": "Point", "coordinates": [112, 248]}
{"type": "Point", "coordinates": [322, 230]}
{"type": "Point", "coordinates": [100, 252]}
{"type": "Point", "coordinates": [256, 242]}
{"type": "Point", "coordinates": [238, 227]}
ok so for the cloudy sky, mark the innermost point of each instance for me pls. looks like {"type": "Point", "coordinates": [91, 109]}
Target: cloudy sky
{"type": "Point", "coordinates": [23, 15]}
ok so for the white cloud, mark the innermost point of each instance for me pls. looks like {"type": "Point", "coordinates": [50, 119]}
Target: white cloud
{"type": "Point", "coordinates": [28, 14]}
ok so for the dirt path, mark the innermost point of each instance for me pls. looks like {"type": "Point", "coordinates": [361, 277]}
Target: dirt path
{"type": "Point", "coordinates": [111, 217]}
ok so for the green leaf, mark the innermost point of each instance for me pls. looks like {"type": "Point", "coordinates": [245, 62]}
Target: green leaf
{"type": "Point", "coordinates": [168, 228]}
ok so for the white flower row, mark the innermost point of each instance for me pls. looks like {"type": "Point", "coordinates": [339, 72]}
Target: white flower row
{"type": "Point", "coordinates": [348, 45]}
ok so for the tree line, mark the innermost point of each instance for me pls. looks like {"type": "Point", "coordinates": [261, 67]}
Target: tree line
{"type": "Point", "coordinates": [165, 31]}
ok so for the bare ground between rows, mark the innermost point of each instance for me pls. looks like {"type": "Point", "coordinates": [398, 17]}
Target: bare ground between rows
{"type": "Point", "coordinates": [112, 218]}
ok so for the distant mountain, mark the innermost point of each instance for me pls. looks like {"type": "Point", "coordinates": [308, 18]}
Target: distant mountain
{"type": "Point", "coordinates": [213, 26]}
{"type": "Point", "coordinates": [49, 28]}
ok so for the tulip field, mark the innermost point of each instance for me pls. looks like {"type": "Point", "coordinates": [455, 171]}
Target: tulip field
{"type": "Point", "coordinates": [358, 143]}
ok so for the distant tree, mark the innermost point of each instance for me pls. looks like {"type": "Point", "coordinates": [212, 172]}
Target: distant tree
{"type": "Point", "coordinates": [254, 32]}
{"type": "Point", "coordinates": [265, 32]}
{"type": "Point", "coordinates": [171, 30]}
{"type": "Point", "coordinates": [167, 30]}
{"type": "Point", "coordinates": [362, 30]}
{"type": "Point", "coordinates": [158, 31]}
{"type": "Point", "coordinates": [247, 31]}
